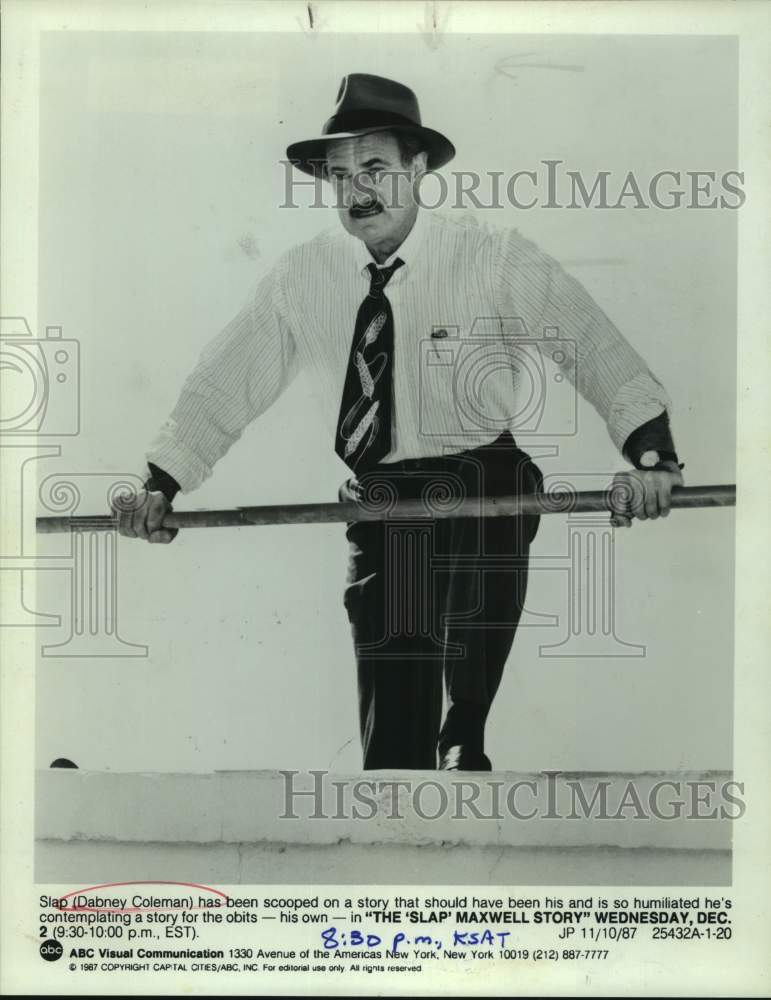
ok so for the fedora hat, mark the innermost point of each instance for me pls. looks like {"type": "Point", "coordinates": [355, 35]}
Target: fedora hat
{"type": "Point", "coordinates": [368, 104]}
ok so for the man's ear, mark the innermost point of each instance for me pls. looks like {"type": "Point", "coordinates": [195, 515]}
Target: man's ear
{"type": "Point", "coordinates": [419, 165]}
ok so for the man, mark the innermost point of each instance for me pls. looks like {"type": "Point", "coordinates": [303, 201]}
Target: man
{"type": "Point", "coordinates": [385, 316]}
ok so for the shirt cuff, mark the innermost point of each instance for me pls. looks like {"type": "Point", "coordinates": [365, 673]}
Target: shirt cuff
{"type": "Point", "coordinates": [653, 435]}
{"type": "Point", "coordinates": [636, 402]}
{"type": "Point", "coordinates": [177, 460]}
{"type": "Point", "coordinates": [160, 480]}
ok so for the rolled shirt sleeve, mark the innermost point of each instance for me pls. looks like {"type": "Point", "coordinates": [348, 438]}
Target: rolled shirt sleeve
{"type": "Point", "coordinates": [238, 376]}
{"type": "Point", "coordinates": [600, 363]}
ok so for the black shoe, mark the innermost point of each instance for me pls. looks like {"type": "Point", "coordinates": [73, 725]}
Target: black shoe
{"type": "Point", "coordinates": [462, 758]}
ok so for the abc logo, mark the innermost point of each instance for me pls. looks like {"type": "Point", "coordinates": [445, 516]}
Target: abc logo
{"type": "Point", "coordinates": [51, 950]}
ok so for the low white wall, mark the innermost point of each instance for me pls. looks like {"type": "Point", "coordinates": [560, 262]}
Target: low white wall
{"type": "Point", "coordinates": [231, 828]}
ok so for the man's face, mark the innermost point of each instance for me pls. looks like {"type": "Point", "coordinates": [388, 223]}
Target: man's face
{"type": "Point", "coordinates": [374, 193]}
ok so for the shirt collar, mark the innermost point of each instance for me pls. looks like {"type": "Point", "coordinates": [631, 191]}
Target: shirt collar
{"type": "Point", "coordinates": [407, 252]}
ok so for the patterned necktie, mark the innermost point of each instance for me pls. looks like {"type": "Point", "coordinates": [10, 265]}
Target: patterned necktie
{"type": "Point", "coordinates": [364, 425]}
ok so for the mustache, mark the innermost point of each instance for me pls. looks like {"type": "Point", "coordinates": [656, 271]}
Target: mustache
{"type": "Point", "coordinates": [369, 208]}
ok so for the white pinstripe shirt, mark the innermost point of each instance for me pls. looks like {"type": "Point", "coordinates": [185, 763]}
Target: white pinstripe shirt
{"type": "Point", "coordinates": [480, 316]}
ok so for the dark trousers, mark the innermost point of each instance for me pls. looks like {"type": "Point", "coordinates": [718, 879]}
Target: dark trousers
{"type": "Point", "coordinates": [433, 601]}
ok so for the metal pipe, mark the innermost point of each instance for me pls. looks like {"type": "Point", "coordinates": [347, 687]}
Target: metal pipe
{"type": "Point", "coordinates": [563, 502]}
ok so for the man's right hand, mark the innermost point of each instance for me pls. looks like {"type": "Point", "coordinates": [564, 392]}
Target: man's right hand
{"type": "Point", "coordinates": [140, 515]}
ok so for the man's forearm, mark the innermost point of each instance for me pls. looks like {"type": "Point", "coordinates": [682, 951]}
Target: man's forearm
{"type": "Point", "coordinates": [653, 435]}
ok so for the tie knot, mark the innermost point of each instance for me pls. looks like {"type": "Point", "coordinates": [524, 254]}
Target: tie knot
{"type": "Point", "coordinates": [380, 276]}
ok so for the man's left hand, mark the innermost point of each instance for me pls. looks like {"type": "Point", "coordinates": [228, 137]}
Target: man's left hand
{"type": "Point", "coordinates": [643, 493]}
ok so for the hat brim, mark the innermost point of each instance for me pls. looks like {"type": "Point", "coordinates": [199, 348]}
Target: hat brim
{"type": "Point", "coordinates": [309, 155]}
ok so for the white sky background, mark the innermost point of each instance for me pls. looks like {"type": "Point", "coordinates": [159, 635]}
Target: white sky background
{"type": "Point", "coordinates": [158, 210]}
